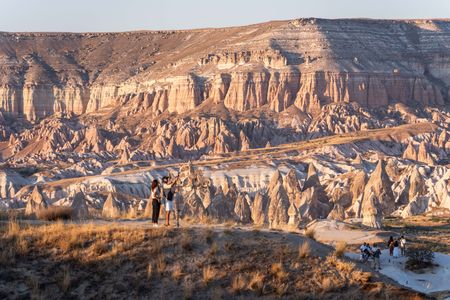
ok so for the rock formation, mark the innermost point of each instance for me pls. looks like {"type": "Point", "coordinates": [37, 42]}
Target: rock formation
{"type": "Point", "coordinates": [278, 201]}
{"type": "Point", "coordinates": [79, 207]}
{"type": "Point", "coordinates": [260, 209]}
{"type": "Point", "coordinates": [292, 186]}
{"type": "Point", "coordinates": [309, 64]}
{"type": "Point", "coordinates": [293, 215]}
{"type": "Point", "coordinates": [380, 186]}
{"type": "Point", "coordinates": [35, 203]}
{"type": "Point", "coordinates": [242, 210]}
{"type": "Point", "coordinates": [371, 210]}
{"type": "Point", "coordinates": [112, 209]}
{"type": "Point", "coordinates": [423, 155]}
{"type": "Point", "coordinates": [193, 206]}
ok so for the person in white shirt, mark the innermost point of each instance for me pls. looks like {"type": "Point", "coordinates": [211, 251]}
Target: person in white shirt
{"type": "Point", "coordinates": [402, 245]}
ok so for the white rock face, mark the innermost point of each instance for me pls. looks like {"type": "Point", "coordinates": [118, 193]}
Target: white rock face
{"type": "Point", "coordinates": [35, 203]}
{"type": "Point", "coordinates": [112, 208]}
{"type": "Point", "coordinates": [380, 185]}
{"type": "Point", "coordinates": [10, 183]}
{"type": "Point", "coordinates": [278, 202]}
{"type": "Point", "coordinates": [372, 211]}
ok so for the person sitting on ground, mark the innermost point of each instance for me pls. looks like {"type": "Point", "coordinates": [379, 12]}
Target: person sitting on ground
{"type": "Point", "coordinates": [391, 245]}
{"type": "Point", "coordinates": [396, 252]}
{"type": "Point", "coordinates": [402, 245]}
{"type": "Point", "coordinates": [376, 253]}
{"type": "Point", "coordinates": [168, 194]}
{"type": "Point", "coordinates": [155, 197]}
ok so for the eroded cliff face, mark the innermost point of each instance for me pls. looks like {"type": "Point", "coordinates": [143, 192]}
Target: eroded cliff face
{"type": "Point", "coordinates": [305, 63]}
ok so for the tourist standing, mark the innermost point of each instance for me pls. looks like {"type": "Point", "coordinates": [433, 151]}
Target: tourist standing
{"type": "Point", "coordinates": [168, 193]}
{"type": "Point", "coordinates": [402, 245]}
{"type": "Point", "coordinates": [396, 252]}
{"type": "Point", "coordinates": [391, 246]}
{"type": "Point", "coordinates": [376, 253]}
{"type": "Point", "coordinates": [155, 197]}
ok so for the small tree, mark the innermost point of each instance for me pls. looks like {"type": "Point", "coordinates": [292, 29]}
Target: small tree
{"type": "Point", "coordinates": [419, 257]}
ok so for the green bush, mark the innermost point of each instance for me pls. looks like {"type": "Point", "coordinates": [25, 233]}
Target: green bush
{"type": "Point", "coordinates": [419, 258]}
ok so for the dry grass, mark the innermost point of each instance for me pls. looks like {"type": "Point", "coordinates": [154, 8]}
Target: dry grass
{"type": "Point", "coordinates": [310, 233]}
{"type": "Point", "coordinates": [150, 269]}
{"type": "Point", "coordinates": [13, 228]}
{"type": "Point", "coordinates": [238, 283]}
{"type": "Point", "coordinates": [84, 255]}
{"type": "Point", "coordinates": [209, 234]}
{"type": "Point", "coordinates": [209, 274]}
{"type": "Point", "coordinates": [54, 213]}
{"type": "Point", "coordinates": [177, 272]}
{"type": "Point", "coordinates": [279, 271]}
{"type": "Point", "coordinates": [213, 250]}
{"type": "Point", "coordinates": [65, 282]}
{"type": "Point", "coordinates": [304, 250]}
{"type": "Point", "coordinates": [340, 249]}
{"type": "Point", "coordinates": [256, 283]}
{"type": "Point", "coordinates": [186, 242]}
{"type": "Point", "coordinates": [161, 264]}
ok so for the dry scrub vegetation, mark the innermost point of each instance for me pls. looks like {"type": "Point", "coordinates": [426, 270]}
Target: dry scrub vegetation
{"type": "Point", "coordinates": [122, 261]}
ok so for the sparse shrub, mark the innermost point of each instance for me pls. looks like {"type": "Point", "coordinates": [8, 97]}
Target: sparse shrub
{"type": "Point", "coordinates": [186, 242]}
{"type": "Point", "coordinates": [177, 272]}
{"type": "Point", "coordinates": [156, 247]}
{"type": "Point", "coordinates": [311, 233]}
{"type": "Point", "coordinates": [22, 245]}
{"type": "Point", "coordinates": [209, 236]}
{"type": "Point", "coordinates": [54, 213]}
{"type": "Point", "coordinates": [279, 272]}
{"type": "Point", "coordinates": [340, 249]}
{"type": "Point", "coordinates": [65, 283]}
{"type": "Point", "coordinates": [304, 250]}
{"type": "Point", "coordinates": [419, 258]}
{"type": "Point", "coordinates": [228, 232]}
{"type": "Point", "coordinates": [328, 284]}
{"type": "Point", "coordinates": [238, 283]}
{"type": "Point", "coordinates": [149, 271]}
{"type": "Point", "coordinates": [282, 288]}
{"type": "Point", "coordinates": [13, 228]}
{"type": "Point", "coordinates": [161, 264]}
{"type": "Point", "coordinates": [188, 289]}
{"type": "Point", "coordinates": [229, 246]}
{"type": "Point", "coordinates": [209, 273]}
{"type": "Point", "coordinates": [99, 247]}
{"type": "Point", "coordinates": [256, 283]}
{"type": "Point", "coordinates": [213, 249]}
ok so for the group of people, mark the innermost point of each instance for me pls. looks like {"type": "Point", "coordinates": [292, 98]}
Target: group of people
{"type": "Point", "coordinates": [166, 194]}
{"type": "Point", "coordinates": [371, 252]}
{"type": "Point", "coordinates": [396, 248]}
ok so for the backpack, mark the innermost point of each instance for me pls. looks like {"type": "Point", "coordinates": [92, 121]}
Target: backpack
{"type": "Point", "coordinates": [169, 196]}
{"type": "Point", "coordinates": [377, 253]}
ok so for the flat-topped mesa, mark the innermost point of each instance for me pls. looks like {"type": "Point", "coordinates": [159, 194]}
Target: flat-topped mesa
{"type": "Point", "coordinates": [307, 63]}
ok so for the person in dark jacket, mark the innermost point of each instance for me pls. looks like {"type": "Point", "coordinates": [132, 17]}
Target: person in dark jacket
{"type": "Point", "coordinates": [376, 253]}
{"type": "Point", "coordinates": [155, 196]}
{"type": "Point", "coordinates": [391, 246]}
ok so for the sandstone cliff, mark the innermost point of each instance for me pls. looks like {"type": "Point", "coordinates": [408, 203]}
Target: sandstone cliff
{"type": "Point", "coordinates": [307, 63]}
